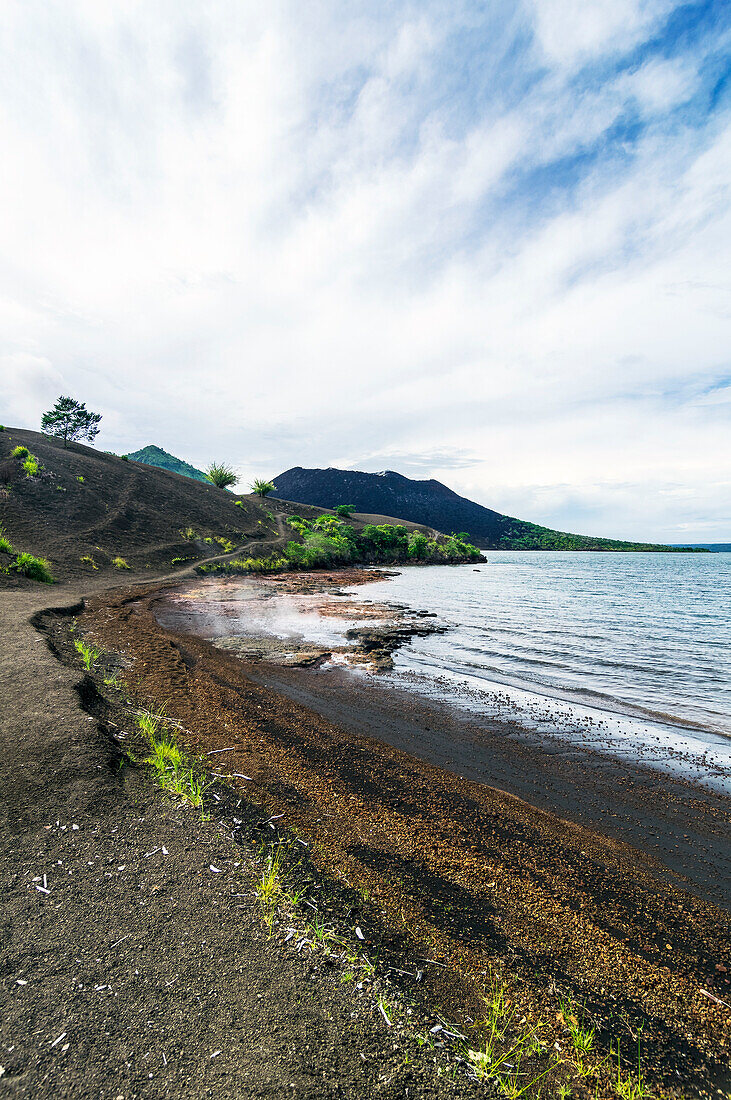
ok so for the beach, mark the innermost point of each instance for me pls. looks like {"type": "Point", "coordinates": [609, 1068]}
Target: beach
{"type": "Point", "coordinates": [491, 855]}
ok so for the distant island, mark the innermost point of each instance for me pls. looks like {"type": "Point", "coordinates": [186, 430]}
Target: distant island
{"type": "Point", "coordinates": [433, 504]}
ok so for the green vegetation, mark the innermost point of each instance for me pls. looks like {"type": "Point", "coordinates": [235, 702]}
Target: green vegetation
{"type": "Point", "coordinates": [155, 456]}
{"type": "Point", "coordinates": [344, 510]}
{"type": "Point", "coordinates": [5, 544]}
{"type": "Point", "coordinates": [36, 569]}
{"type": "Point", "coordinates": [329, 540]}
{"type": "Point", "coordinates": [88, 653]}
{"type": "Point", "coordinates": [189, 533]}
{"type": "Point", "coordinates": [262, 488]}
{"type": "Point", "coordinates": [80, 478]}
{"type": "Point", "coordinates": [221, 475]}
{"type": "Point", "coordinates": [518, 534]}
{"type": "Point", "coordinates": [272, 564]}
{"type": "Point", "coordinates": [19, 452]}
{"type": "Point", "coordinates": [174, 772]}
{"type": "Point", "coordinates": [88, 560]}
{"type": "Point", "coordinates": [71, 421]}
{"type": "Point", "coordinates": [31, 466]}
{"type": "Point", "coordinates": [120, 563]}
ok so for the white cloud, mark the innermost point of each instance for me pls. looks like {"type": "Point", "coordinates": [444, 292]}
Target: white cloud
{"type": "Point", "coordinates": [291, 235]}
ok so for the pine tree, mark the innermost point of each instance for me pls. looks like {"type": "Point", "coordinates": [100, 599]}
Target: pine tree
{"type": "Point", "coordinates": [71, 421]}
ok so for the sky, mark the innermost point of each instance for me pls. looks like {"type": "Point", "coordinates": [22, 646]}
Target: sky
{"type": "Point", "coordinates": [483, 242]}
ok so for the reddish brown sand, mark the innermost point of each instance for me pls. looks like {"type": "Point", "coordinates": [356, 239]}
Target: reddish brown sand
{"type": "Point", "coordinates": [469, 875]}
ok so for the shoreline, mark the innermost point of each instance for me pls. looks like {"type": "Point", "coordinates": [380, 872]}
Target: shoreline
{"type": "Point", "coordinates": [479, 879]}
{"type": "Point", "coordinates": [679, 822]}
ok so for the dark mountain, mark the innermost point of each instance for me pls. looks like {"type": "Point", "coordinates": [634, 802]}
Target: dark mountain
{"type": "Point", "coordinates": [155, 456]}
{"type": "Point", "coordinates": [433, 504]}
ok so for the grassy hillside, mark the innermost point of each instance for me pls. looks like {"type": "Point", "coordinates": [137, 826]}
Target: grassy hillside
{"type": "Point", "coordinates": [432, 503]}
{"type": "Point", "coordinates": [155, 456]}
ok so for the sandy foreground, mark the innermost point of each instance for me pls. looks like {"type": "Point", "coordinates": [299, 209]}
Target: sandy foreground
{"type": "Point", "coordinates": [140, 964]}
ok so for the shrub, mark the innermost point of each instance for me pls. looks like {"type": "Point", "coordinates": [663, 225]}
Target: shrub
{"type": "Point", "coordinates": [2, 427]}
{"type": "Point", "coordinates": [120, 563]}
{"type": "Point", "coordinates": [226, 545]}
{"type": "Point", "coordinates": [189, 533]}
{"type": "Point", "coordinates": [20, 452]}
{"type": "Point", "coordinates": [5, 547]}
{"type": "Point", "coordinates": [125, 458]}
{"type": "Point", "coordinates": [36, 569]}
{"type": "Point", "coordinates": [344, 510]}
{"type": "Point", "coordinates": [88, 560]}
{"type": "Point", "coordinates": [262, 488]}
{"type": "Point", "coordinates": [418, 546]}
{"type": "Point", "coordinates": [221, 475]}
{"type": "Point", "coordinates": [80, 478]}
{"type": "Point", "coordinates": [31, 466]}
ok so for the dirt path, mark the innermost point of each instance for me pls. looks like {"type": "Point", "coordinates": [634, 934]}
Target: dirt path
{"type": "Point", "coordinates": [129, 967]}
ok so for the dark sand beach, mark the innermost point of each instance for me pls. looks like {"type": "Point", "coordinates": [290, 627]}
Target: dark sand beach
{"type": "Point", "coordinates": [486, 852]}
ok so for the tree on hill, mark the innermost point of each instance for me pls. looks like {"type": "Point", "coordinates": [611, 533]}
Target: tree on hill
{"type": "Point", "coordinates": [262, 488]}
{"type": "Point", "coordinates": [344, 510]}
{"type": "Point", "coordinates": [71, 421]}
{"type": "Point", "coordinates": [221, 475]}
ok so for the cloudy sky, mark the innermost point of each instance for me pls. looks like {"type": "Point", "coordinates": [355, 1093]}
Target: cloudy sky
{"type": "Point", "coordinates": [484, 242]}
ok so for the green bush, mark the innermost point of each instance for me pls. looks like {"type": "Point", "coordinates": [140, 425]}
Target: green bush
{"type": "Point", "coordinates": [37, 569]}
{"type": "Point", "coordinates": [20, 452]}
{"type": "Point", "coordinates": [221, 475]}
{"type": "Point", "coordinates": [120, 563]}
{"type": "Point", "coordinates": [344, 510]}
{"type": "Point", "coordinates": [262, 488]}
{"type": "Point", "coordinates": [5, 546]}
{"type": "Point", "coordinates": [125, 458]}
{"type": "Point", "coordinates": [31, 466]}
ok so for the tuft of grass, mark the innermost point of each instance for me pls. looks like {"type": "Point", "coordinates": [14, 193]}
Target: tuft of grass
{"type": "Point", "coordinates": [226, 545]}
{"type": "Point", "coordinates": [113, 679]}
{"type": "Point", "coordinates": [269, 887]}
{"type": "Point", "coordinates": [5, 545]}
{"type": "Point", "coordinates": [120, 563]}
{"type": "Point", "coordinates": [149, 723]}
{"type": "Point", "coordinates": [31, 466]}
{"type": "Point", "coordinates": [626, 1087]}
{"type": "Point", "coordinates": [189, 533]}
{"type": "Point", "coordinates": [88, 560]}
{"type": "Point", "coordinates": [165, 754]}
{"type": "Point", "coordinates": [581, 1037]}
{"type": "Point", "coordinates": [36, 569]}
{"type": "Point", "coordinates": [80, 478]}
{"type": "Point", "coordinates": [19, 452]}
{"type": "Point", "coordinates": [89, 654]}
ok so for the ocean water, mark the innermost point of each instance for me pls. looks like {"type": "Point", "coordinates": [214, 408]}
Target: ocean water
{"type": "Point", "coordinates": [627, 653]}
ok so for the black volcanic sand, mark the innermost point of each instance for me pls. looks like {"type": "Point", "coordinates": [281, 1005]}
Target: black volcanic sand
{"type": "Point", "coordinates": [465, 873]}
{"type": "Point", "coordinates": [133, 958]}
{"type": "Point", "coordinates": [684, 825]}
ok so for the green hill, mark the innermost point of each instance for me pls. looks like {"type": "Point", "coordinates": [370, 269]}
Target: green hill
{"type": "Point", "coordinates": [155, 456]}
